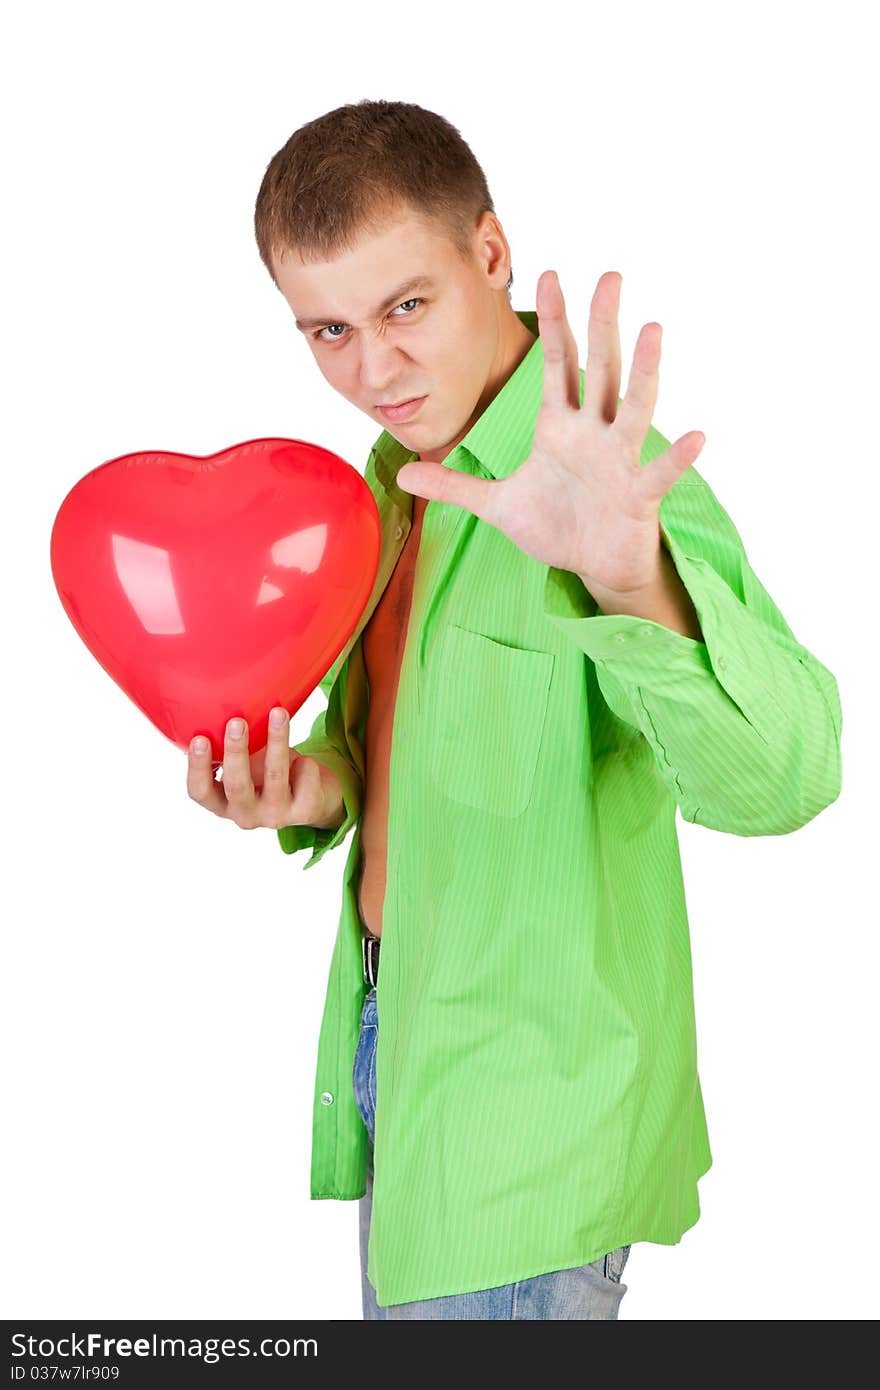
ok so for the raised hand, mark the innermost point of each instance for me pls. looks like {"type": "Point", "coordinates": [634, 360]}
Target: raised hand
{"type": "Point", "coordinates": [581, 500]}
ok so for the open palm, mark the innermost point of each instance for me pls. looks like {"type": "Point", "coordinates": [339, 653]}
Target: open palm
{"type": "Point", "coordinates": [581, 500]}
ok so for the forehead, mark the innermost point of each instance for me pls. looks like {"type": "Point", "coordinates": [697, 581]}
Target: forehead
{"type": "Point", "coordinates": [402, 257]}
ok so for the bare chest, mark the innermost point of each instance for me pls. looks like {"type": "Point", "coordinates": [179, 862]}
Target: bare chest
{"type": "Point", "coordinates": [385, 634]}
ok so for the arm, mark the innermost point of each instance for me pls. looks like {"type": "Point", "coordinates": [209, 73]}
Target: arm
{"type": "Point", "coordinates": [744, 722]}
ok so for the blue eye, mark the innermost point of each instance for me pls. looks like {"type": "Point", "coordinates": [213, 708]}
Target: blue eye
{"type": "Point", "coordinates": [324, 330]}
{"type": "Point", "coordinates": [338, 337]}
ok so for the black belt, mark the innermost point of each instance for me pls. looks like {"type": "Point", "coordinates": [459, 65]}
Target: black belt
{"type": "Point", "coordinates": [370, 952]}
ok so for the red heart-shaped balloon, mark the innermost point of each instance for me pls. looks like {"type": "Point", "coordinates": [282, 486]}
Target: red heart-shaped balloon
{"type": "Point", "coordinates": [217, 585]}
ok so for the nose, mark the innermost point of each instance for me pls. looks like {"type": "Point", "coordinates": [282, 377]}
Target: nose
{"type": "Point", "coordinates": [381, 367]}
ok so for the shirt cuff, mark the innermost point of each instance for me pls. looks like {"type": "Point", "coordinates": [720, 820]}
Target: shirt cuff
{"type": "Point", "coordinates": [642, 653]}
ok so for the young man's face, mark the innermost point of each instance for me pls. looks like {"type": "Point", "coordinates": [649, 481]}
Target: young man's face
{"type": "Point", "coordinates": [453, 339]}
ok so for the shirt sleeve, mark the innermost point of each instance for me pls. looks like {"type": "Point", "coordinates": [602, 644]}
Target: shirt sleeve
{"type": "Point", "coordinates": [330, 750]}
{"type": "Point", "coordinates": [745, 724]}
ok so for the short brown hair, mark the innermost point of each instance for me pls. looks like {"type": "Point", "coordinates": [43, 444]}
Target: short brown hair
{"type": "Point", "coordinates": [353, 168]}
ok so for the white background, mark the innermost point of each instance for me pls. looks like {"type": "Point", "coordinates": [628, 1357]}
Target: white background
{"type": "Point", "coordinates": [163, 971]}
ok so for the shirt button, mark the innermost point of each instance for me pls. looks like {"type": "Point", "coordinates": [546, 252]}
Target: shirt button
{"type": "Point", "coordinates": [398, 532]}
{"type": "Point", "coordinates": [722, 662]}
{"type": "Point", "coordinates": [646, 631]}
{"type": "Point", "coordinates": [620, 636]}
{"type": "Point", "coordinates": [326, 1097]}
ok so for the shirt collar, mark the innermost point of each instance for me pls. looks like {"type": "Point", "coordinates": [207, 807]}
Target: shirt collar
{"type": "Point", "coordinates": [499, 441]}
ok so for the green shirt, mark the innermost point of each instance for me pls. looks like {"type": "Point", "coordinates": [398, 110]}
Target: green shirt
{"type": "Point", "coordinates": [537, 1095]}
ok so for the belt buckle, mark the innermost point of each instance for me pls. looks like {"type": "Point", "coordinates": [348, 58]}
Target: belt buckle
{"type": "Point", "coordinates": [369, 956]}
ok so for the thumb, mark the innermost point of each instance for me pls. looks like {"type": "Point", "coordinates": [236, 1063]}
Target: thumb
{"type": "Point", "coordinates": [437, 483]}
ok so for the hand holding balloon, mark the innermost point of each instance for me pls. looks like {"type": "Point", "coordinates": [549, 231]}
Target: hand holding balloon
{"type": "Point", "coordinates": [275, 786]}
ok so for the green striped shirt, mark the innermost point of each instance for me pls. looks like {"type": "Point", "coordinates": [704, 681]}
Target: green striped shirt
{"type": "Point", "coordinates": [538, 1100]}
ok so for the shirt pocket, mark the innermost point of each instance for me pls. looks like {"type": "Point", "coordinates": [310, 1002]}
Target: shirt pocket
{"type": "Point", "coordinates": [487, 716]}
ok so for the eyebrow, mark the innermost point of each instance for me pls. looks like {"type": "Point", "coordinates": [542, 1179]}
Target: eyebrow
{"type": "Point", "coordinates": [416, 282]}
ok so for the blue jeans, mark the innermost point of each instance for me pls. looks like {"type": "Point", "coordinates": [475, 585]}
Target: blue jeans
{"type": "Point", "coordinates": [588, 1291]}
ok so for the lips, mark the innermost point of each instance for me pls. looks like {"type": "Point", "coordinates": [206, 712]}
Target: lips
{"type": "Point", "coordinates": [404, 411]}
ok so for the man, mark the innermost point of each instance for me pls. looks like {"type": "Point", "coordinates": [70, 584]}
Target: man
{"type": "Point", "coordinates": [565, 643]}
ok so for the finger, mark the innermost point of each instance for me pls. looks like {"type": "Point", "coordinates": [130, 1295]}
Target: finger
{"type": "Point", "coordinates": [440, 483]}
{"type": "Point", "coordinates": [658, 476]}
{"type": "Point", "coordinates": [561, 370]}
{"type": "Point", "coordinates": [200, 783]}
{"type": "Point", "coordinates": [275, 795]}
{"type": "Point", "coordinates": [602, 373]}
{"type": "Point", "coordinates": [237, 781]}
{"type": "Point", "coordinates": [634, 412]}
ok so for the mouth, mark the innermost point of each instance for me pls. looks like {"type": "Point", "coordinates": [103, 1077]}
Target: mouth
{"type": "Point", "coordinates": [403, 410]}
